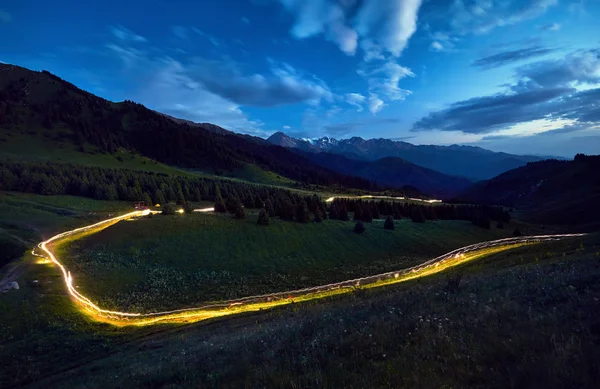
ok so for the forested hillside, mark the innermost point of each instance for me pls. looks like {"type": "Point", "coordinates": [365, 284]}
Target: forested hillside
{"type": "Point", "coordinates": [34, 100]}
{"type": "Point", "coordinates": [563, 192]}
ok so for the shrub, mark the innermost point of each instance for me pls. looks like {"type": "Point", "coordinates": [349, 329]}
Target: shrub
{"type": "Point", "coordinates": [168, 209]}
{"type": "Point", "coordinates": [220, 205]}
{"type": "Point", "coordinates": [359, 228]}
{"type": "Point", "coordinates": [263, 218]}
{"type": "Point", "coordinates": [188, 207]}
{"type": "Point", "coordinates": [239, 213]}
{"type": "Point", "coordinates": [318, 216]}
{"type": "Point", "coordinates": [389, 223]}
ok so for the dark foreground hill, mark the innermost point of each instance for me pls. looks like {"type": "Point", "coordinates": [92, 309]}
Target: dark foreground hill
{"type": "Point", "coordinates": [393, 172]}
{"type": "Point", "coordinates": [561, 192]}
{"type": "Point", "coordinates": [464, 161]}
{"type": "Point", "coordinates": [41, 101]}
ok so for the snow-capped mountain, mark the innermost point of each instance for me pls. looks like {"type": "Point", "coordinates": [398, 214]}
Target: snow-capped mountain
{"type": "Point", "coordinates": [465, 161]}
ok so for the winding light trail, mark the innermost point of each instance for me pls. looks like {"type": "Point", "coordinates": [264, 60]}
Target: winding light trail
{"type": "Point", "coordinates": [255, 303]}
{"type": "Point", "coordinates": [382, 197]}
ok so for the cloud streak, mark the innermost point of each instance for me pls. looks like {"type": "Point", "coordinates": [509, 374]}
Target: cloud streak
{"type": "Point", "coordinates": [126, 35]}
{"type": "Point", "coordinates": [463, 17]}
{"type": "Point", "coordinates": [511, 56]}
{"type": "Point", "coordinates": [284, 84]}
{"type": "Point", "coordinates": [487, 114]}
{"type": "Point", "coordinates": [545, 90]}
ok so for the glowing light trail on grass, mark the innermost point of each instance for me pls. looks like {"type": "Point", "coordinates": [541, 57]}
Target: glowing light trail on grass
{"type": "Point", "coordinates": [255, 303]}
{"type": "Point", "coordinates": [431, 201]}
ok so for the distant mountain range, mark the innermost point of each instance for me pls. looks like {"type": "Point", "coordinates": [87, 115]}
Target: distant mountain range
{"type": "Point", "coordinates": [393, 172]}
{"type": "Point", "coordinates": [464, 161]}
{"type": "Point", "coordinates": [551, 191]}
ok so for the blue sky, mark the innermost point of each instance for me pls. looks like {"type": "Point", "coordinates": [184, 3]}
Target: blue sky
{"type": "Point", "coordinates": [519, 76]}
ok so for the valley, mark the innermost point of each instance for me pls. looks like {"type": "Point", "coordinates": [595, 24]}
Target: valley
{"type": "Point", "coordinates": [145, 250]}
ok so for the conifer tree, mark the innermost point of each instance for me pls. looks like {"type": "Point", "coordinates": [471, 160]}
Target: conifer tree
{"type": "Point", "coordinates": [263, 218]}
{"type": "Point", "coordinates": [359, 228]}
{"type": "Point", "coordinates": [389, 223]}
{"type": "Point", "coordinates": [416, 214]}
{"type": "Point", "coordinates": [302, 214]}
{"type": "Point", "coordinates": [220, 204]}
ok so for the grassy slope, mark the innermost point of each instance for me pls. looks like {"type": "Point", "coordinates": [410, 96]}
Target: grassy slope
{"type": "Point", "coordinates": [32, 145]}
{"type": "Point", "coordinates": [525, 318]}
{"type": "Point", "coordinates": [33, 217]}
{"type": "Point", "coordinates": [181, 260]}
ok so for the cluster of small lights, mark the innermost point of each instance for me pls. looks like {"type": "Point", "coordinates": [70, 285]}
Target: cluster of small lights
{"type": "Point", "coordinates": [255, 303]}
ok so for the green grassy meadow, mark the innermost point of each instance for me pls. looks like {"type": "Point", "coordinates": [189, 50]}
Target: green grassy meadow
{"type": "Point", "coordinates": [522, 318]}
{"type": "Point", "coordinates": [168, 262]}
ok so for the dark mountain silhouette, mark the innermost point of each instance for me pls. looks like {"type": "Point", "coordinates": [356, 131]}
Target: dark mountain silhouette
{"type": "Point", "coordinates": [40, 100]}
{"type": "Point", "coordinates": [551, 191]}
{"type": "Point", "coordinates": [393, 172]}
{"type": "Point", "coordinates": [465, 161]}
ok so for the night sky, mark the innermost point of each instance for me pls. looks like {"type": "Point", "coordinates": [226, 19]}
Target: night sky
{"type": "Point", "coordinates": [508, 75]}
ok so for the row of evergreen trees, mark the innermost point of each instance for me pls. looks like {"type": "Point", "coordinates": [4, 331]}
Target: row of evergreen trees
{"type": "Point", "coordinates": [366, 211]}
{"type": "Point", "coordinates": [154, 188]}
{"type": "Point", "coordinates": [229, 196]}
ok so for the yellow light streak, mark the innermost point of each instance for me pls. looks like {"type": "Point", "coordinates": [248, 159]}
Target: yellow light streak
{"type": "Point", "coordinates": [256, 303]}
{"type": "Point", "coordinates": [210, 209]}
{"type": "Point", "coordinates": [329, 200]}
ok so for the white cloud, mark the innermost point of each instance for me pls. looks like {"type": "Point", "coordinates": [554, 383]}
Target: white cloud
{"type": "Point", "coordinates": [384, 79]}
{"type": "Point", "coordinates": [436, 46]}
{"type": "Point", "coordinates": [315, 17]}
{"type": "Point", "coordinates": [126, 35]}
{"type": "Point", "coordinates": [372, 51]}
{"type": "Point", "coordinates": [462, 17]}
{"type": "Point", "coordinates": [286, 127]}
{"type": "Point", "coordinates": [355, 99]}
{"type": "Point", "coordinates": [375, 103]}
{"type": "Point", "coordinates": [344, 36]}
{"type": "Point", "coordinates": [495, 14]}
{"type": "Point", "coordinates": [129, 55]}
{"type": "Point", "coordinates": [167, 87]}
{"type": "Point", "coordinates": [380, 25]}
{"type": "Point", "coordinates": [390, 23]}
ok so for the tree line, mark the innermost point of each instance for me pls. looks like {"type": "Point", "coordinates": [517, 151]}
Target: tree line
{"type": "Point", "coordinates": [50, 178]}
{"type": "Point", "coordinates": [366, 211]}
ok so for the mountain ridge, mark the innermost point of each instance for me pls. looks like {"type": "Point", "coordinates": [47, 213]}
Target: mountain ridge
{"type": "Point", "coordinates": [471, 162]}
{"type": "Point", "coordinates": [550, 191]}
{"type": "Point", "coordinates": [393, 172]}
{"type": "Point", "coordinates": [32, 101]}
